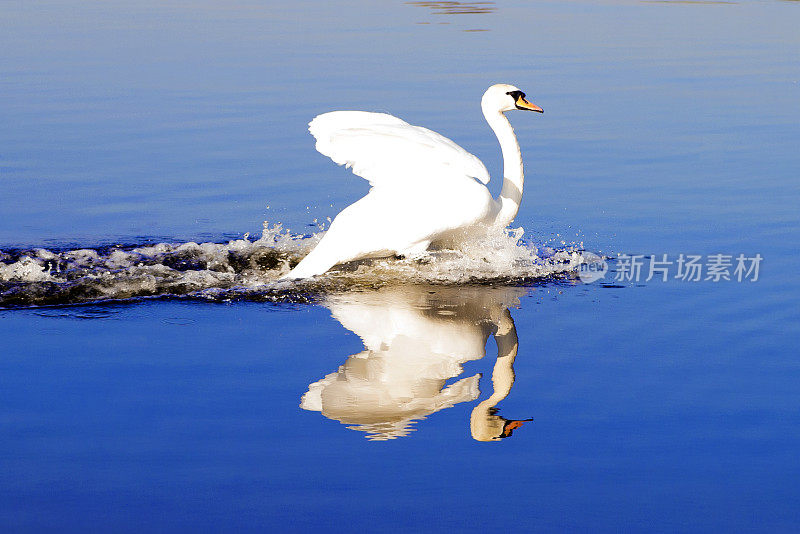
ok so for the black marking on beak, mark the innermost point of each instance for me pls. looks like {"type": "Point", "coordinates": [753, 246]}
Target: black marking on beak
{"type": "Point", "coordinates": [519, 97]}
{"type": "Point", "coordinates": [516, 95]}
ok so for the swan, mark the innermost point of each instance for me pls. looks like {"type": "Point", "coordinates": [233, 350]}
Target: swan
{"type": "Point", "coordinates": [425, 189]}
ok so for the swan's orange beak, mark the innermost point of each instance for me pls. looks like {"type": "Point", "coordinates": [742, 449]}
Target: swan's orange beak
{"type": "Point", "coordinates": [524, 104]}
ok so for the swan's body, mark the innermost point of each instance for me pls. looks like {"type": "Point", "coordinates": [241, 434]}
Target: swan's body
{"type": "Point", "coordinates": [425, 188]}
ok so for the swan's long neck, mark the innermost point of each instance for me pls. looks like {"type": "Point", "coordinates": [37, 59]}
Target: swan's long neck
{"type": "Point", "coordinates": [513, 177]}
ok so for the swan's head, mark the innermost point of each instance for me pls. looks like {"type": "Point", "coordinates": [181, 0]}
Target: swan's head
{"type": "Point", "coordinates": [503, 97]}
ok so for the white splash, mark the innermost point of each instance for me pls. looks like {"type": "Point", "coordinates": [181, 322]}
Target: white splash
{"type": "Point", "coordinates": [26, 269]}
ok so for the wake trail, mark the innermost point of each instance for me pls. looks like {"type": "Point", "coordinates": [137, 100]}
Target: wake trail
{"type": "Point", "coordinates": [245, 269]}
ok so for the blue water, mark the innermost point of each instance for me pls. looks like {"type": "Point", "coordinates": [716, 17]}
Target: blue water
{"type": "Point", "coordinates": [669, 128]}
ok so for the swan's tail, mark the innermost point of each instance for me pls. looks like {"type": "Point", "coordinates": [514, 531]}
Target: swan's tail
{"type": "Point", "coordinates": [317, 262]}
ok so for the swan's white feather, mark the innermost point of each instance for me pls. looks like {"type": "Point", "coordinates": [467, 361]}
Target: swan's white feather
{"type": "Point", "coordinates": [389, 152]}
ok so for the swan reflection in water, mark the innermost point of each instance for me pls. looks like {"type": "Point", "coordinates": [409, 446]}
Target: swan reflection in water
{"type": "Point", "coordinates": [416, 339]}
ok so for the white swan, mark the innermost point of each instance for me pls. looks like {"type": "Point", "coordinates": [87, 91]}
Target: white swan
{"type": "Point", "coordinates": [425, 188]}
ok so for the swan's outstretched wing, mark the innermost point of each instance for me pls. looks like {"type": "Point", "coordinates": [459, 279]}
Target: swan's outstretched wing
{"type": "Point", "coordinates": [389, 152]}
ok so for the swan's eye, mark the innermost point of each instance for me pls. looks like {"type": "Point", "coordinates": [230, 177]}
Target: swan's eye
{"type": "Point", "coordinates": [516, 95]}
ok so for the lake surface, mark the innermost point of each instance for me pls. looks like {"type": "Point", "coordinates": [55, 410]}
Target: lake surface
{"type": "Point", "coordinates": [154, 377]}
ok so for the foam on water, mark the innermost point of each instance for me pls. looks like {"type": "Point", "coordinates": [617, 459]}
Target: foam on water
{"type": "Point", "coordinates": [245, 269]}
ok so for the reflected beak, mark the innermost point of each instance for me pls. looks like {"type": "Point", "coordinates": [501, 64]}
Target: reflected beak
{"type": "Point", "coordinates": [512, 424]}
{"type": "Point", "coordinates": [524, 104]}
